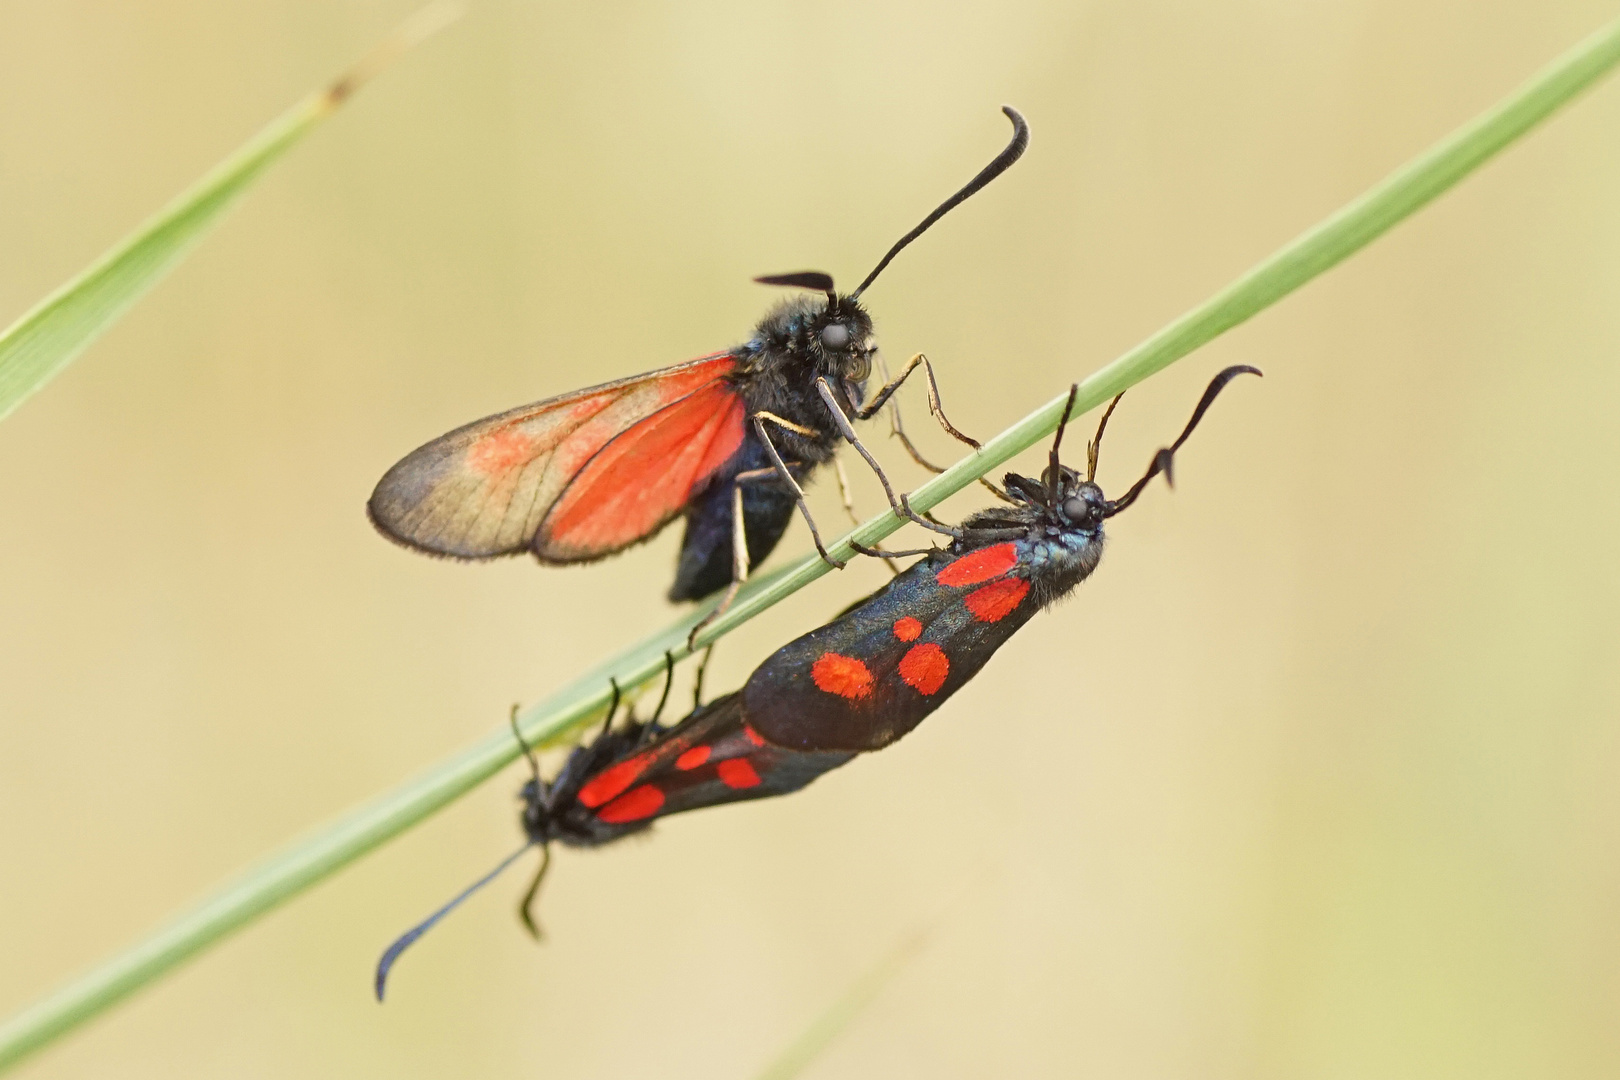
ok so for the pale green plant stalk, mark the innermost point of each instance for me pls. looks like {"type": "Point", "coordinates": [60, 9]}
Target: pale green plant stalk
{"type": "Point", "coordinates": [60, 327]}
{"type": "Point", "coordinates": [337, 844]}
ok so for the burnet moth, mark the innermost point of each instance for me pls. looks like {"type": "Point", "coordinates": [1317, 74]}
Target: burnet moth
{"type": "Point", "coordinates": [725, 440]}
{"type": "Point", "coordinates": [856, 684]}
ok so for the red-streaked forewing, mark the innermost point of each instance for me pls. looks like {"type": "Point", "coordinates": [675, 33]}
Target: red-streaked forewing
{"type": "Point", "coordinates": [483, 489]}
{"type": "Point", "coordinates": [643, 477]}
{"type": "Point", "coordinates": [875, 672]}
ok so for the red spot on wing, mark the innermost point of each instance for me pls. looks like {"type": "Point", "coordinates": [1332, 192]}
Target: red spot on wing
{"type": "Point", "coordinates": [501, 450]}
{"type": "Point", "coordinates": [997, 600]}
{"type": "Point", "coordinates": [612, 780]}
{"type": "Point", "coordinates": [981, 565]}
{"type": "Point", "coordinates": [633, 805]}
{"type": "Point", "coordinates": [907, 629]}
{"type": "Point", "coordinates": [753, 736]}
{"type": "Point", "coordinates": [644, 475]}
{"type": "Point", "coordinates": [924, 667]}
{"type": "Point", "coordinates": [693, 758]}
{"type": "Point", "coordinates": [842, 675]}
{"type": "Point", "coordinates": [737, 773]}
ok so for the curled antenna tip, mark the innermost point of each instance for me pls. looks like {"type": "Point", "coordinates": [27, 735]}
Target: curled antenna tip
{"type": "Point", "coordinates": [1165, 462]}
{"type": "Point", "coordinates": [410, 33]}
{"type": "Point", "coordinates": [1001, 163]}
{"type": "Point", "coordinates": [1020, 129]}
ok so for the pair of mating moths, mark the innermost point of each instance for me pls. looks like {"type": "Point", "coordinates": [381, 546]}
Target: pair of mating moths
{"type": "Point", "coordinates": [726, 441]}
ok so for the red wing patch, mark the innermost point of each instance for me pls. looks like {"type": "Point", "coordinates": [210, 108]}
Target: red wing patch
{"type": "Point", "coordinates": [981, 565]}
{"type": "Point", "coordinates": [924, 668]}
{"type": "Point", "coordinates": [693, 758]}
{"type": "Point", "coordinates": [907, 629]}
{"type": "Point", "coordinates": [998, 599]}
{"type": "Point", "coordinates": [611, 781]}
{"type": "Point", "coordinates": [737, 773]}
{"type": "Point", "coordinates": [842, 675]}
{"type": "Point", "coordinates": [484, 489]}
{"type": "Point", "coordinates": [643, 476]}
{"type": "Point", "coordinates": [633, 805]}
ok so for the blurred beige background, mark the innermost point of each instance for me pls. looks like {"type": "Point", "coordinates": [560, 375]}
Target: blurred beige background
{"type": "Point", "coordinates": [1316, 778]}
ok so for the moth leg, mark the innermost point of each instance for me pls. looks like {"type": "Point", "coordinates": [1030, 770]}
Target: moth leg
{"type": "Point", "coordinates": [897, 428]}
{"type": "Point", "coordinates": [697, 682]}
{"type": "Point", "coordinates": [739, 552]}
{"type": "Point", "coordinates": [793, 485]}
{"type": "Point", "coordinates": [897, 503]}
{"type": "Point", "coordinates": [797, 429]}
{"type": "Point", "coordinates": [613, 706]}
{"type": "Point", "coordinates": [844, 492]}
{"type": "Point", "coordinates": [883, 395]}
{"type": "Point", "coordinates": [669, 679]}
{"type": "Point", "coordinates": [849, 508]}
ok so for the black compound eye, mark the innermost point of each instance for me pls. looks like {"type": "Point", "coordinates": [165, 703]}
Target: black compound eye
{"type": "Point", "coordinates": [1076, 509]}
{"type": "Point", "coordinates": [835, 336]}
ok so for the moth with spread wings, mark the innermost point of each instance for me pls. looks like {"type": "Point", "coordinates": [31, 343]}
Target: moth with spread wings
{"type": "Point", "coordinates": [854, 685]}
{"type": "Point", "coordinates": [724, 440]}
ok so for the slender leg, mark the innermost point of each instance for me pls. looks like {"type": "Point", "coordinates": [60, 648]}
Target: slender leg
{"type": "Point", "coordinates": [849, 508]}
{"type": "Point", "coordinates": [797, 429]}
{"type": "Point", "coordinates": [897, 429]}
{"type": "Point", "coordinates": [697, 682]}
{"type": "Point", "coordinates": [896, 502]}
{"type": "Point", "coordinates": [934, 406]}
{"type": "Point", "coordinates": [613, 706]}
{"type": "Point", "coordinates": [526, 905]}
{"type": "Point", "coordinates": [793, 485]}
{"type": "Point", "coordinates": [843, 490]}
{"type": "Point", "coordinates": [669, 678]}
{"type": "Point", "coordinates": [739, 559]}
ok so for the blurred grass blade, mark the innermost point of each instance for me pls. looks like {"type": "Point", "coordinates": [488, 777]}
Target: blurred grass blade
{"type": "Point", "coordinates": [341, 842]}
{"type": "Point", "coordinates": [61, 326]}
{"type": "Point", "coordinates": [830, 1024]}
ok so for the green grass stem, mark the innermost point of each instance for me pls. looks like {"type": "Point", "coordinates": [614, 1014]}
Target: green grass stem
{"type": "Point", "coordinates": [337, 844]}
{"type": "Point", "coordinates": [57, 329]}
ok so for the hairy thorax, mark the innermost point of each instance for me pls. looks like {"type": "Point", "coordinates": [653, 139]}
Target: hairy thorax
{"type": "Point", "coordinates": [780, 363]}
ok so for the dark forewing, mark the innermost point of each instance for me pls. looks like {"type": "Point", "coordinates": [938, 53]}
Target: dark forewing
{"type": "Point", "coordinates": [875, 672]}
{"type": "Point", "coordinates": [711, 757]}
{"type": "Point", "coordinates": [483, 489]}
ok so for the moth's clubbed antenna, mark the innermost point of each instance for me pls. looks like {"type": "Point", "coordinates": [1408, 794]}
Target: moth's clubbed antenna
{"type": "Point", "coordinates": [1054, 472]}
{"type": "Point", "coordinates": [1165, 458]}
{"type": "Point", "coordinates": [1003, 161]}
